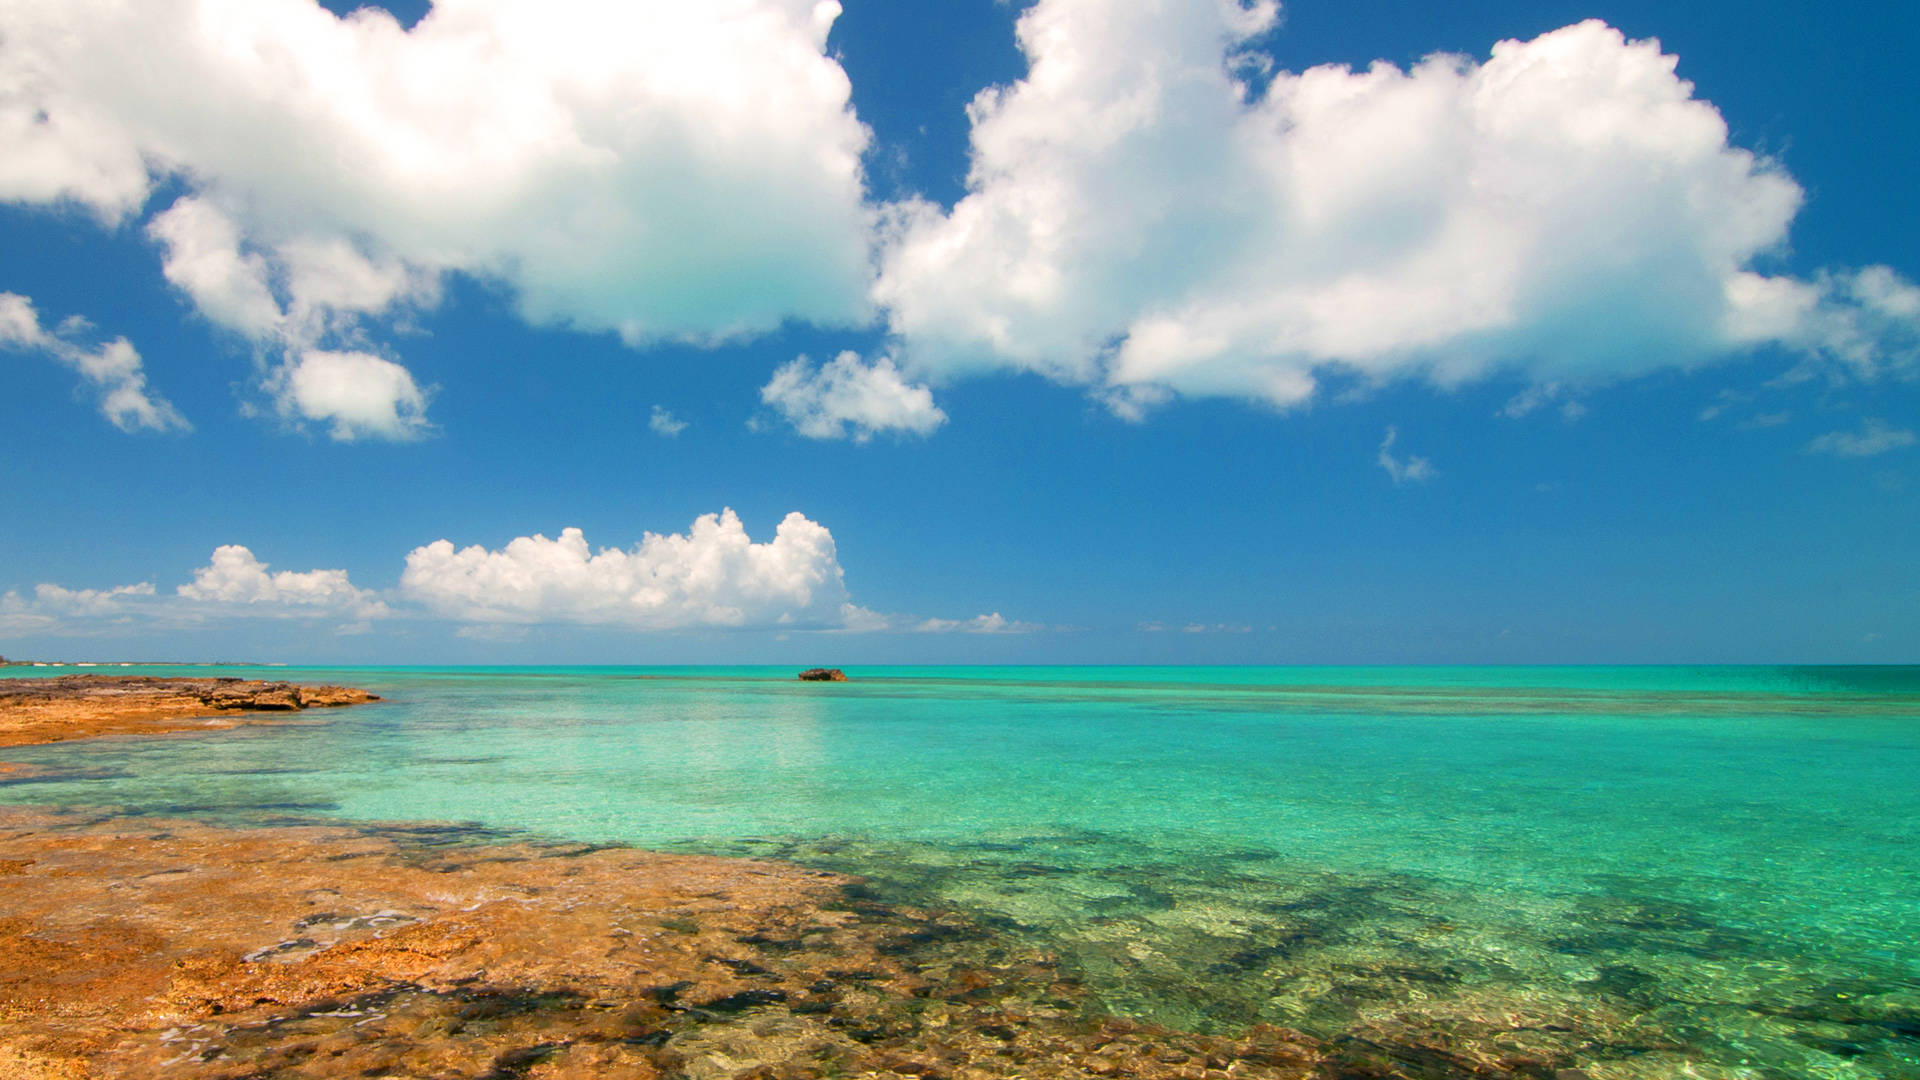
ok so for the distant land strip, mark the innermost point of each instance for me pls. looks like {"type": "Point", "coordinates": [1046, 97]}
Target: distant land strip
{"type": "Point", "coordinates": [36, 711]}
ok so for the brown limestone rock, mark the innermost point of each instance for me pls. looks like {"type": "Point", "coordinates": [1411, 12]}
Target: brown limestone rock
{"type": "Point", "coordinates": [34, 711]}
{"type": "Point", "coordinates": [154, 950]}
{"type": "Point", "coordinates": [328, 697]}
{"type": "Point", "coordinates": [823, 674]}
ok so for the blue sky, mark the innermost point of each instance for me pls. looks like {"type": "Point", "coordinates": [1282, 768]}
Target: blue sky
{"type": "Point", "coordinates": [1217, 354]}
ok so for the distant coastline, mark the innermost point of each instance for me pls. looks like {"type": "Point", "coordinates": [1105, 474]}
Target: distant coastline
{"type": "Point", "coordinates": [6, 662]}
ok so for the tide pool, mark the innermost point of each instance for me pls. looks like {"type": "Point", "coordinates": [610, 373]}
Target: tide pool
{"type": "Point", "coordinates": [1669, 871]}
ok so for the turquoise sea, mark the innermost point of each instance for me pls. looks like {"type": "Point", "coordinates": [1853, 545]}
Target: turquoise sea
{"type": "Point", "coordinates": [1671, 871]}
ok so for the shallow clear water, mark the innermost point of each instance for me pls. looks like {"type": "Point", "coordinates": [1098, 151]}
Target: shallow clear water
{"type": "Point", "coordinates": [1705, 871]}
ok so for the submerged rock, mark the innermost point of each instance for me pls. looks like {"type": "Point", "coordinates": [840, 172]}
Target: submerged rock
{"type": "Point", "coordinates": [823, 674]}
{"type": "Point", "coordinates": [309, 953]}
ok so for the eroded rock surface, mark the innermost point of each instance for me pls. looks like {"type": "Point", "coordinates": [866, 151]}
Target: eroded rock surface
{"type": "Point", "coordinates": [183, 950]}
{"type": "Point", "coordinates": [34, 711]}
{"type": "Point", "coordinates": [154, 950]}
{"type": "Point", "coordinates": [823, 674]}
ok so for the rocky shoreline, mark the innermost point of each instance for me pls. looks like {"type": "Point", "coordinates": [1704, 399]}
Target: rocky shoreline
{"type": "Point", "coordinates": [38, 711]}
{"type": "Point", "coordinates": [174, 949]}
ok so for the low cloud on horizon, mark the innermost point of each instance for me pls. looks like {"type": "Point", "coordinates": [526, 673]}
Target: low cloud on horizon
{"type": "Point", "coordinates": [711, 577]}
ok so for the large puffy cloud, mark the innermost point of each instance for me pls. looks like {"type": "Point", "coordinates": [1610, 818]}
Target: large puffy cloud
{"type": "Point", "coordinates": [114, 370]}
{"type": "Point", "coordinates": [653, 168]}
{"type": "Point", "coordinates": [657, 168]}
{"type": "Point", "coordinates": [203, 259]}
{"type": "Point", "coordinates": [847, 395]}
{"type": "Point", "coordinates": [1139, 220]}
{"type": "Point", "coordinates": [235, 576]}
{"type": "Point", "coordinates": [712, 575]}
{"type": "Point", "coordinates": [233, 584]}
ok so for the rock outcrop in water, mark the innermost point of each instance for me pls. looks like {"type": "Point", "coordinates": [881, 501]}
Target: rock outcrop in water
{"type": "Point", "coordinates": [823, 674]}
{"type": "Point", "coordinates": [34, 711]}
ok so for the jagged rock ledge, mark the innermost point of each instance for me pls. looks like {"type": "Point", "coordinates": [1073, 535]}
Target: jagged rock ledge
{"type": "Point", "coordinates": [34, 711]}
{"type": "Point", "coordinates": [823, 674]}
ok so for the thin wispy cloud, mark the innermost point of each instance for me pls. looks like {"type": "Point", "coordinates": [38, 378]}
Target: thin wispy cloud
{"type": "Point", "coordinates": [991, 623]}
{"type": "Point", "coordinates": [664, 424]}
{"type": "Point", "coordinates": [1411, 469]}
{"type": "Point", "coordinates": [1871, 439]}
{"type": "Point", "coordinates": [113, 370]}
{"type": "Point", "coordinates": [1541, 396]}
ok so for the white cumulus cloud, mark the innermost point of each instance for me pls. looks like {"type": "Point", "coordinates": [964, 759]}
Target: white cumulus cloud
{"type": "Point", "coordinates": [1140, 221]}
{"type": "Point", "coordinates": [357, 394]}
{"type": "Point", "coordinates": [114, 369]}
{"type": "Point", "coordinates": [233, 585]}
{"type": "Point", "coordinates": [1873, 438]}
{"type": "Point", "coordinates": [327, 282]}
{"type": "Point", "coordinates": [657, 169]}
{"type": "Point", "coordinates": [712, 575]}
{"type": "Point", "coordinates": [203, 260]}
{"type": "Point", "coordinates": [234, 576]}
{"type": "Point", "coordinates": [848, 396]}
{"type": "Point", "coordinates": [328, 285]}
{"type": "Point", "coordinates": [651, 167]}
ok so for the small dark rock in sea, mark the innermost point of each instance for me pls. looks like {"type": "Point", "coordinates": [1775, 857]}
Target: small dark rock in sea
{"type": "Point", "coordinates": [824, 674]}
